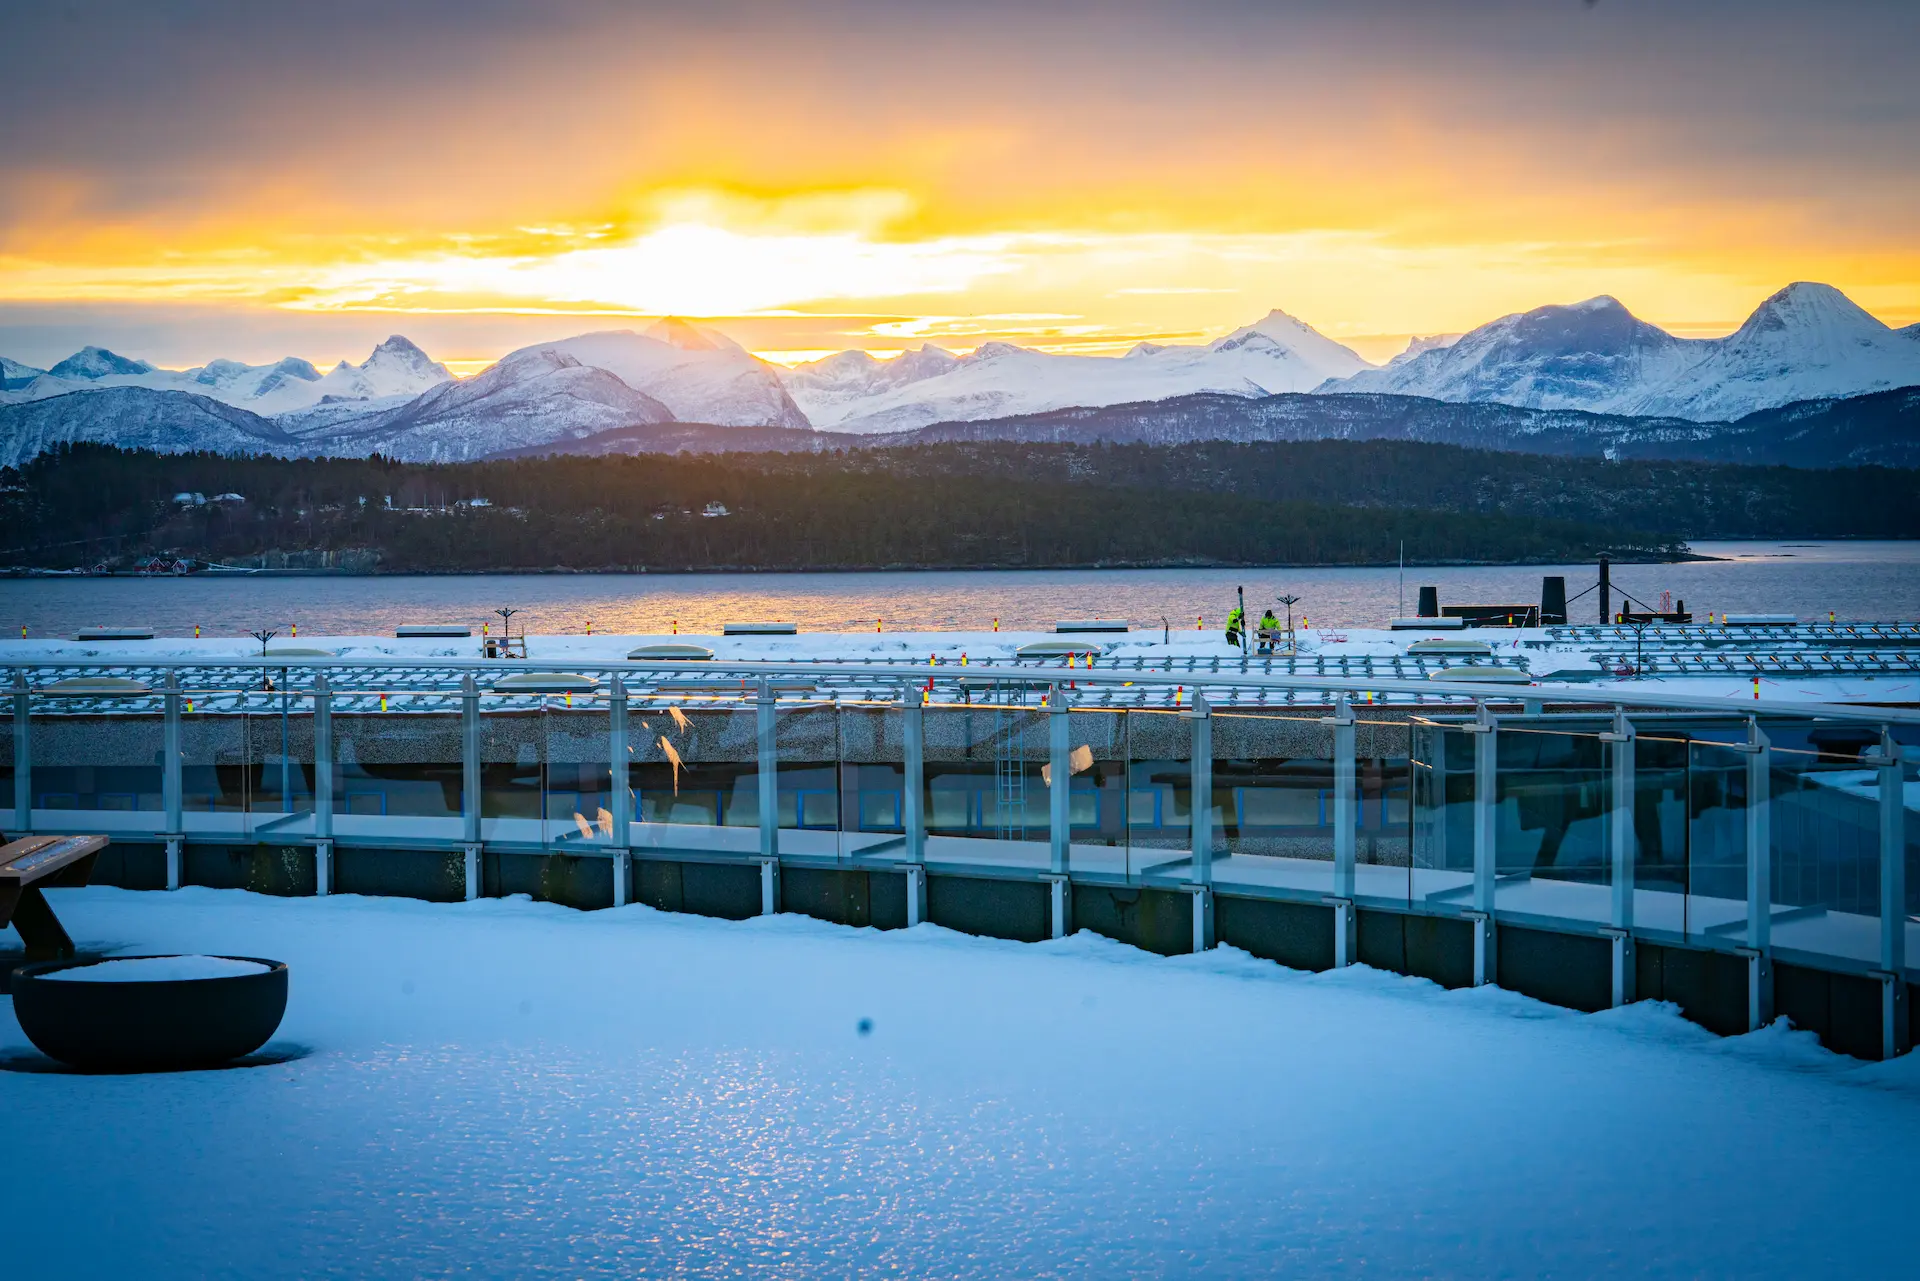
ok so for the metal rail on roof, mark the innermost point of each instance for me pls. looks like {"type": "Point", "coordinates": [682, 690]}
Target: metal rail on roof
{"type": "Point", "coordinates": [443, 676]}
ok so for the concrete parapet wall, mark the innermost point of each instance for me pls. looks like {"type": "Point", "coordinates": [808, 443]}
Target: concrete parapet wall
{"type": "Point", "coordinates": [1297, 935]}
{"type": "Point", "coordinates": [1561, 968]}
{"type": "Point", "coordinates": [1154, 920]}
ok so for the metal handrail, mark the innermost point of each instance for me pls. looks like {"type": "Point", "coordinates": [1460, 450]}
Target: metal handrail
{"type": "Point", "coordinates": [917, 674]}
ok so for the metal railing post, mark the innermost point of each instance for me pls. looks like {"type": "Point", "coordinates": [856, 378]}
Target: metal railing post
{"type": "Point", "coordinates": [1200, 819]}
{"type": "Point", "coordinates": [1200, 789]}
{"type": "Point", "coordinates": [1346, 798]}
{"type": "Point", "coordinates": [171, 802]}
{"type": "Point", "coordinates": [1059, 781]}
{"type": "Point", "coordinates": [1759, 949]}
{"type": "Point", "coordinates": [470, 780]}
{"type": "Point", "coordinates": [1059, 811]}
{"type": "Point", "coordinates": [322, 785]}
{"type": "Point", "coordinates": [619, 789]}
{"type": "Point", "coordinates": [1620, 915]}
{"type": "Point", "coordinates": [22, 756]}
{"type": "Point", "coordinates": [913, 799]}
{"type": "Point", "coordinates": [619, 771]}
{"type": "Point", "coordinates": [1894, 1022]}
{"type": "Point", "coordinates": [768, 756]}
{"type": "Point", "coordinates": [1486, 766]}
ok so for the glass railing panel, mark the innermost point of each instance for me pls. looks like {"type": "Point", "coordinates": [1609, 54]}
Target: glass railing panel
{"type": "Point", "coordinates": [94, 769]}
{"type": "Point", "coordinates": [7, 773]}
{"type": "Point", "coordinates": [1825, 829]}
{"type": "Point", "coordinates": [1441, 870]}
{"type": "Point", "coordinates": [872, 779]}
{"type": "Point", "coordinates": [807, 740]}
{"type": "Point", "coordinates": [1383, 849]}
{"type": "Point", "coordinates": [1159, 781]}
{"type": "Point", "coordinates": [1273, 792]}
{"type": "Point", "coordinates": [695, 776]}
{"type": "Point", "coordinates": [513, 758]}
{"type": "Point", "coordinates": [397, 774]}
{"type": "Point", "coordinates": [214, 770]}
{"type": "Point", "coordinates": [1660, 841]}
{"type": "Point", "coordinates": [1716, 875]}
{"type": "Point", "coordinates": [1097, 775]}
{"type": "Point", "coordinates": [986, 796]}
{"type": "Point", "coordinates": [1553, 803]}
{"type": "Point", "coordinates": [280, 772]}
{"type": "Point", "coordinates": [1910, 801]}
{"type": "Point", "coordinates": [576, 800]}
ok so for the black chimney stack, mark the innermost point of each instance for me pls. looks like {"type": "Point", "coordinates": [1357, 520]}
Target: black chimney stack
{"type": "Point", "coordinates": [1429, 602]}
{"type": "Point", "coordinates": [1553, 600]}
{"type": "Point", "coordinates": [1606, 589]}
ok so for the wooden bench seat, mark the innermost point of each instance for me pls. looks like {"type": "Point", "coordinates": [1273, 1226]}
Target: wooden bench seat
{"type": "Point", "coordinates": [43, 862]}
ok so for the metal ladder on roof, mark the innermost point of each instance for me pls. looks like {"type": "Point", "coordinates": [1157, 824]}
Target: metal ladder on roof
{"type": "Point", "coordinates": [1009, 763]}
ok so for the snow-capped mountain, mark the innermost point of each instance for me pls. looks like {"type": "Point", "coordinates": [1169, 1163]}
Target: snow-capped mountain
{"type": "Point", "coordinates": [831, 389]}
{"type": "Point", "coordinates": [93, 363]}
{"type": "Point", "coordinates": [396, 368]}
{"type": "Point", "coordinates": [1420, 344]}
{"type": "Point", "coordinates": [534, 397]}
{"type": "Point", "coordinates": [701, 376]}
{"type": "Point", "coordinates": [1805, 342]}
{"type": "Point", "coordinates": [852, 392]}
{"type": "Point", "coordinates": [14, 375]}
{"type": "Point", "coordinates": [167, 422]}
{"type": "Point", "coordinates": [1591, 355]}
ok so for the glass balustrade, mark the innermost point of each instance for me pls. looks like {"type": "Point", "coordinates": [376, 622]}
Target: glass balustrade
{"type": "Point", "coordinates": [1542, 845]}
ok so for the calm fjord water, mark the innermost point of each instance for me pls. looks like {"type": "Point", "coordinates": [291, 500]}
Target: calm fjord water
{"type": "Point", "coordinates": [1855, 580]}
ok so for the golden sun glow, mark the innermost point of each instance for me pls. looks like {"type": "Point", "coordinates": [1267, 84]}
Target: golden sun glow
{"type": "Point", "coordinates": [1034, 179]}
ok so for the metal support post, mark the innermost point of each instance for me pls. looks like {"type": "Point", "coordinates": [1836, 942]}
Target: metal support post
{"type": "Point", "coordinates": [1203, 938]}
{"type": "Point", "coordinates": [916, 894]}
{"type": "Point", "coordinates": [622, 875]}
{"type": "Point", "coordinates": [1894, 1022]}
{"type": "Point", "coordinates": [1759, 949]}
{"type": "Point", "coordinates": [1200, 790]}
{"type": "Point", "coordinates": [913, 781]}
{"type": "Point", "coordinates": [470, 772]}
{"type": "Point", "coordinates": [1059, 781]}
{"type": "Point", "coordinates": [1485, 776]}
{"type": "Point", "coordinates": [174, 860]}
{"type": "Point", "coordinates": [769, 784]}
{"type": "Point", "coordinates": [323, 868]}
{"type": "Point", "coordinates": [170, 802]}
{"type": "Point", "coordinates": [22, 756]}
{"type": "Point", "coordinates": [769, 886]}
{"type": "Point", "coordinates": [619, 775]}
{"type": "Point", "coordinates": [323, 761]}
{"type": "Point", "coordinates": [1060, 905]}
{"type": "Point", "coordinates": [1620, 917]}
{"type": "Point", "coordinates": [1346, 799]}
{"type": "Point", "coordinates": [473, 872]}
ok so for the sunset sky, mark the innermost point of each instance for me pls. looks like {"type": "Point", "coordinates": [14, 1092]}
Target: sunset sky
{"type": "Point", "coordinates": [187, 180]}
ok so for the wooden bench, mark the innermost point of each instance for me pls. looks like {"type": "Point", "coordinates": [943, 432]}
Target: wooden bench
{"type": "Point", "coordinates": [31, 865]}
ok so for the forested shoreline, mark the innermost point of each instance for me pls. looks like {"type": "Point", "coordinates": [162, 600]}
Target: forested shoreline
{"type": "Point", "coordinates": [937, 506]}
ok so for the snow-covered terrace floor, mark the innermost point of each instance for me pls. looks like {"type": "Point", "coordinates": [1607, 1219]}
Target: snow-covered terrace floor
{"type": "Point", "coordinates": [503, 1088]}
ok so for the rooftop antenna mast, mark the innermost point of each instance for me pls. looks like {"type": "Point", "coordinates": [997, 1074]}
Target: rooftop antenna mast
{"type": "Point", "coordinates": [1289, 600]}
{"type": "Point", "coordinates": [506, 635]}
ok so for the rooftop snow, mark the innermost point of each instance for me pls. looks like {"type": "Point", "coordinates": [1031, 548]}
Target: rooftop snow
{"type": "Point", "coordinates": [510, 1089]}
